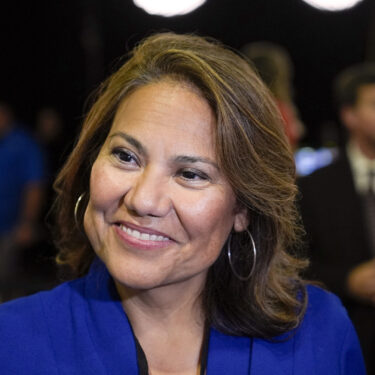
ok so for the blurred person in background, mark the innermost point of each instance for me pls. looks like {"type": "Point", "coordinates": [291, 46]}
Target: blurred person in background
{"type": "Point", "coordinates": [50, 136]}
{"type": "Point", "coordinates": [275, 67]}
{"type": "Point", "coordinates": [37, 264]}
{"type": "Point", "coordinates": [338, 208]}
{"type": "Point", "coordinates": [21, 196]}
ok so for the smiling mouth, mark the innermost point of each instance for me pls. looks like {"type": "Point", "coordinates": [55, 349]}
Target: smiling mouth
{"type": "Point", "coordinates": [141, 235]}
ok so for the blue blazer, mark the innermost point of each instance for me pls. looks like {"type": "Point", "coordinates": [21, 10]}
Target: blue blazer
{"type": "Point", "coordinates": [80, 328]}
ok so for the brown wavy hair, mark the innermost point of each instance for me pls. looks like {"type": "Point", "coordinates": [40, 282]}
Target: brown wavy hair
{"type": "Point", "coordinates": [252, 152]}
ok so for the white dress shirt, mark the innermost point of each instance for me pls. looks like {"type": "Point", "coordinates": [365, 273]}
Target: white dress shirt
{"type": "Point", "coordinates": [361, 167]}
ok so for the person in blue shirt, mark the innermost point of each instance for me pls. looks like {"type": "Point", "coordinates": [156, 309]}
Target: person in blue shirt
{"type": "Point", "coordinates": [176, 208]}
{"type": "Point", "coordinates": [21, 194]}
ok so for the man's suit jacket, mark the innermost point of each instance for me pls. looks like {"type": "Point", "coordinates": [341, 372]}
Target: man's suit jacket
{"type": "Point", "coordinates": [337, 239]}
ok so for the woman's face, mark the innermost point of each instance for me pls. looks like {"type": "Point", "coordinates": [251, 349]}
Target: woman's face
{"type": "Point", "coordinates": [160, 209]}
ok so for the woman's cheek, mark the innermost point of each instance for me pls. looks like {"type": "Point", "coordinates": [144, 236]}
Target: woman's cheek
{"type": "Point", "coordinates": [204, 210]}
{"type": "Point", "coordinates": [105, 185]}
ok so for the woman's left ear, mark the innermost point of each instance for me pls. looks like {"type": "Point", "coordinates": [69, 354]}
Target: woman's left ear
{"type": "Point", "coordinates": [241, 219]}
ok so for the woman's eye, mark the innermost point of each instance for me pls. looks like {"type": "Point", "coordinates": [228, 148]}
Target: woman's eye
{"type": "Point", "coordinates": [193, 175]}
{"type": "Point", "coordinates": [124, 156]}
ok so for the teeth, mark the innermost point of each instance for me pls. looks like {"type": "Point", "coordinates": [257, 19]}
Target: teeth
{"type": "Point", "coordinates": [143, 236]}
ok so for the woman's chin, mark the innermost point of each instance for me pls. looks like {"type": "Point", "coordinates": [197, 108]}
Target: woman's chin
{"type": "Point", "coordinates": [131, 279]}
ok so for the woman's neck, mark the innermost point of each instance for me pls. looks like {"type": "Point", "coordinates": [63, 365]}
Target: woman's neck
{"type": "Point", "coordinates": [163, 304]}
{"type": "Point", "coordinates": [168, 322]}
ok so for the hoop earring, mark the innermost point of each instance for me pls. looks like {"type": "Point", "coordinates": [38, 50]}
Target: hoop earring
{"type": "Point", "coordinates": [76, 207]}
{"type": "Point", "coordinates": [229, 254]}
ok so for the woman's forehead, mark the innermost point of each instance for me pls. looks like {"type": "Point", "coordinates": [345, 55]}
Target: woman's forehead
{"type": "Point", "coordinates": [170, 103]}
{"type": "Point", "coordinates": [168, 113]}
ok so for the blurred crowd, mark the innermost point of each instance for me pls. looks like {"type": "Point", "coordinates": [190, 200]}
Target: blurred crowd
{"type": "Point", "coordinates": [337, 197]}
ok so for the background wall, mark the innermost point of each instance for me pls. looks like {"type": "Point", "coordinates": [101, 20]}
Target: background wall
{"type": "Point", "coordinates": [56, 52]}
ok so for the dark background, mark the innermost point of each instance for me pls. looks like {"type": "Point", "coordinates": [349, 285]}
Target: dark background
{"type": "Point", "coordinates": [54, 53]}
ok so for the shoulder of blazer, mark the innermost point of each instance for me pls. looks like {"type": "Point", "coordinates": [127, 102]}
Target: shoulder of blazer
{"type": "Point", "coordinates": [329, 179]}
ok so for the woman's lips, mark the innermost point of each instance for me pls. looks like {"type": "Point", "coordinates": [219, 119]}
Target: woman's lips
{"type": "Point", "coordinates": [143, 238]}
{"type": "Point", "coordinates": [143, 235]}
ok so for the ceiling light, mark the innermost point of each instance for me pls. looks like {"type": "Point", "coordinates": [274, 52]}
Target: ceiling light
{"type": "Point", "coordinates": [168, 8]}
{"type": "Point", "coordinates": [332, 5]}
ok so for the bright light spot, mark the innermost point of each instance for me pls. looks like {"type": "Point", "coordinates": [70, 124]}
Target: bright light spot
{"type": "Point", "coordinates": [168, 8]}
{"type": "Point", "coordinates": [332, 5]}
{"type": "Point", "coordinates": [309, 160]}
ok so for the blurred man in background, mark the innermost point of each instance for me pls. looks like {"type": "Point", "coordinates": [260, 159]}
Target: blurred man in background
{"type": "Point", "coordinates": [21, 192]}
{"type": "Point", "coordinates": [275, 67]}
{"type": "Point", "coordinates": [338, 208]}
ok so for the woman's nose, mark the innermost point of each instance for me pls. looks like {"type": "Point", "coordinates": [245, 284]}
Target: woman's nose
{"type": "Point", "coordinates": [148, 194]}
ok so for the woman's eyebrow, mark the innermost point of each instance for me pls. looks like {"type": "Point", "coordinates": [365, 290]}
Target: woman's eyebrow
{"type": "Point", "coordinates": [134, 142]}
{"type": "Point", "coordinates": [194, 159]}
{"type": "Point", "coordinates": [178, 159]}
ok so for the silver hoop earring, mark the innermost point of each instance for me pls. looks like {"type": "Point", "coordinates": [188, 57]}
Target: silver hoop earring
{"type": "Point", "coordinates": [76, 209]}
{"type": "Point", "coordinates": [229, 254]}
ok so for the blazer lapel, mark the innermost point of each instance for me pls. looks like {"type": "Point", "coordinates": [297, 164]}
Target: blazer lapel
{"type": "Point", "coordinates": [228, 354]}
{"type": "Point", "coordinates": [272, 357]}
{"type": "Point", "coordinates": [108, 324]}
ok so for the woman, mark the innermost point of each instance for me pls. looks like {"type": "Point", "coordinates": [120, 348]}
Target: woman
{"type": "Point", "coordinates": [176, 205]}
